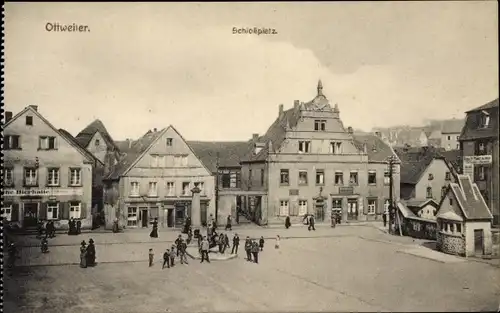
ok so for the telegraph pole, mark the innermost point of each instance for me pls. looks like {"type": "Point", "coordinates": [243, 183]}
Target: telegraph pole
{"type": "Point", "coordinates": [217, 189]}
{"type": "Point", "coordinates": [391, 198]}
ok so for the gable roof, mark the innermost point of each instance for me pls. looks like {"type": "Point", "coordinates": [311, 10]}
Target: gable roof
{"type": "Point", "coordinates": [453, 126]}
{"type": "Point", "coordinates": [416, 203]}
{"type": "Point", "coordinates": [453, 157]}
{"type": "Point", "coordinates": [69, 137]}
{"type": "Point", "coordinates": [469, 199]}
{"type": "Point", "coordinates": [377, 149]}
{"type": "Point", "coordinates": [473, 130]}
{"type": "Point", "coordinates": [230, 153]}
{"type": "Point", "coordinates": [414, 162]}
{"type": "Point", "coordinates": [84, 152]}
{"type": "Point", "coordinates": [405, 210]}
{"type": "Point", "coordinates": [489, 105]}
{"type": "Point", "coordinates": [85, 136]}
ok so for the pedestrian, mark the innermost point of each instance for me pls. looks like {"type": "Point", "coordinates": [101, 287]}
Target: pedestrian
{"type": "Point", "coordinates": [236, 243]}
{"type": "Point", "coordinates": [261, 243]}
{"type": "Point", "coordinates": [384, 216]}
{"type": "Point", "coordinates": [277, 244]}
{"type": "Point", "coordinates": [221, 243]}
{"type": "Point", "coordinates": [255, 252]}
{"type": "Point", "coordinates": [204, 250]}
{"type": "Point", "coordinates": [83, 254]}
{"type": "Point", "coordinates": [190, 235]}
{"type": "Point", "coordinates": [115, 225]}
{"type": "Point", "coordinates": [199, 241]}
{"type": "Point", "coordinates": [311, 223]}
{"type": "Point", "coordinates": [226, 243]}
{"type": "Point", "coordinates": [177, 243]}
{"type": "Point", "coordinates": [154, 232]}
{"type": "Point", "coordinates": [228, 223]}
{"type": "Point", "coordinates": [172, 256]}
{"type": "Point", "coordinates": [151, 257]}
{"type": "Point", "coordinates": [248, 248]}
{"type": "Point", "coordinates": [166, 259]}
{"type": "Point", "coordinates": [305, 220]}
{"type": "Point", "coordinates": [91, 253]}
{"type": "Point", "coordinates": [182, 255]}
{"type": "Point", "coordinates": [78, 227]}
{"type": "Point", "coordinates": [287, 222]}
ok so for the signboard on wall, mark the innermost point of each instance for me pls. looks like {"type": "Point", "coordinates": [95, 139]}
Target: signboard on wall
{"type": "Point", "coordinates": [478, 159]}
{"type": "Point", "coordinates": [293, 192]}
{"type": "Point", "coordinates": [48, 192]}
{"type": "Point", "coordinates": [346, 191]}
{"type": "Point", "coordinates": [469, 170]}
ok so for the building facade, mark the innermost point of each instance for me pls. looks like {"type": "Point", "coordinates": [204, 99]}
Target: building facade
{"type": "Point", "coordinates": [479, 153]}
{"type": "Point", "coordinates": [46, 176]}
{"type": "Point", "coordinates": [308, 163]}
{"type": "Point", "coordinates": [155, 179]}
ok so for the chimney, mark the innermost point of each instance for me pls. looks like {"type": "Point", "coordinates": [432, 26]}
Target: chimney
{"type": "Point", "coordinates": [129, 143]}
{"type": "Point", "coordinates": [296, 104]}
{"type": "Point", "coordinates": [378, 134]}
{"type": "Point", "coordinates": [350, 130]}
{"type": "Point", "coordinates": [34, 107]}
{"type": "Point", "coordinates": [154, 130]}
{"type": "Point", "coordinates": [255, 137]}
{"type": "Point", "coordinates": [281, 110]}
{"type": "Point", "coordinates": [8, 116]}
{"type": "Point", "coordinates": [365, 150]}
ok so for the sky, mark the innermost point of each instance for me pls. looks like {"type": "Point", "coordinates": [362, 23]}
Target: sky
{"type": "Point", "coordinates": [150, 65]}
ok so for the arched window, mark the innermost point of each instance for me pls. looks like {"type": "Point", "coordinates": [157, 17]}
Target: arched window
{"type": "Point", "coordinates": [429, 192]}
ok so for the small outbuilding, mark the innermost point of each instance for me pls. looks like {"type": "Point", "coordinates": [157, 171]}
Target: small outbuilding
{"type": "Point", "coordinates": [464, 220]}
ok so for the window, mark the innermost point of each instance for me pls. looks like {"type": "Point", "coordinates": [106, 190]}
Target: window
{"type": "Point", "coordinates": [449, 137]}
{"type": "Point", "coordinates": [372, 205]}
{"type": "Point", "coordinates": [53, 177]}
{"type": "Point", "coordinates": [339, 178]}
{"type": "Point", "coordinates": [320, 177]}
{"type": "Point", "coordinates": [372, 177]}
{"type": "Point", "coordinates": [429, 193]}
{"type": "Point", "coordinates": [153, 190]}
{"type": "Point", "coordinates": [302, 207]}
{"type": "Point", "coordinates": [97, 142]}
{"type": "Point", "coordinates": [303, 178]}
{"type": "Point", "coordinates": [353, 178]}
{"type": "Point", "coordinates": [261, 177]}
{"type": "Point", "coordinates": [337, 204]}
{"type": "Point", "coordinates": [457, 146]}
{"type": "Point", "coordinates": [169, 142]}
{"type": "Point", "coordinates": [387, 178]}
{"type": "Point", "coordinates": [284, 177]}
{"type": "Point", "coordinates": [29, 120]}
{"type": "Point", "coordinates": [485, 119]}
{"type": "Point", "coordinates": [132, 216]}
{"type": "Point", "coordinates": [481, 173]}
{"type": "Point", "coordinates": [47, 143]}
{"type": "Point", "coordinates": [185, 189]}
{"type": "Point", "coordinates": [335, 147]}
{"type": "Point", "coordinates": [75, 177]}
{"type": "Point", "coordinates": [451, 201]}
{"type": "Point", "coordinates": [30, 177]}
{"type": "Point", "coordinates": [170, 189]}
{"type": "Point", "coordinates": [8, 177]}
{"type": "Point", "coordinates": [234, 179]}
{"type": "Point", "coordinates": [481, 147]}
{"type": "Point", "coordinates": [320, 125]}
{"type": "Point", "coordinates": [201, 186]}
{"type": "Point", "coordinates": [226, 180]}
{"type": "Point", "coordinates": [447, 176]}
{"type": "Point", "coordinates": [430, 177]}
{"type": "Point", "coordinates": [283, 208]}
{"type": "Point", "coordinates": [459, 228]}
{"type": "Point", "coordinates": [7, 212]}
{"type": "Point", "coordinates": [52, 210]}
{"type": "Point", "coordinates": [443, 191]}
{"type": "Point", "coordinates": [11, 142]}
{"type": "Point", "coordinates": [75, 210]}
{"type": "Point", "coordinates": [304, 146]}
{"type": "Point", "coordinates": [134, 189]}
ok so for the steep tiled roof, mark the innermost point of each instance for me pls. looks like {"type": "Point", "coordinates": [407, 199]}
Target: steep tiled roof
{"type": "Point", "coordinates": [88, 132]}
{"type": "Point", "coordinates": [414, 162]}
{"type": "Point", "coordinates": [230, 153]}
{"type": "Point", "coordinates": [473, 130]}
{"type": "Point", "coordinates": [377, 149]}
{"type": "Point", "coordinates": [469, 199]}
{"type": "Point", "coordinates": [70, 137]}
{"type": "Point", "coordinates": [453, 157]}
{"type": "Point", "coordinates": [138, 148]}
{"type": "Point", "coordinates": [453, 126]}
{"type": "Point", "coordinates": [124, 145]}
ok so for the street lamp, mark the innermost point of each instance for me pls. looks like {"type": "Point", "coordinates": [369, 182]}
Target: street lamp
{"type": "Point", "coordinates": [391, 160]}
{"type": "Point", "coordinates": [217, 189]}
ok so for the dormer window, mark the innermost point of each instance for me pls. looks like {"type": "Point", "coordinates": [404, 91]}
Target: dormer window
{"type": "Point", "coordinates": [320, 125]}
{"type": "Point", "coordinates": [304, 146]}
{"type": "Point", "coordinates": [485, 119]}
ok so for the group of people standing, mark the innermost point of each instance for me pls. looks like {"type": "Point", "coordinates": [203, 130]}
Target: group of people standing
{"type": "Point", "coordinates": [48, 228]}
{"type": "Point", "coordinates": [87, 254]}
{"type": "Point", "coordinates": [75, 227]}
{"type": "Point", "coordinates": [252, 248]}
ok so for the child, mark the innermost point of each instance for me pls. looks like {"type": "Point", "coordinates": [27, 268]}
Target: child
{"type": "Point", "coordinates": [277, 244]}
{"type": "Point", "coordinates": [261, 243]}
{"type": "Point", "coordinates": [172, 255]}
{"type": "Point", "coordinates": [166, 259]}
{"type": "Point", "coordinates": [151, 257]}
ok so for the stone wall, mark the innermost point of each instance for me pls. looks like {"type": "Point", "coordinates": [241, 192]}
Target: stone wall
{"type": "Point", "coordinates": [450, 243]}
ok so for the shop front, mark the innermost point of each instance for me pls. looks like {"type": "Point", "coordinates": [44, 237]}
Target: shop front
{"type": "Point", "coordinates": [347, 204]}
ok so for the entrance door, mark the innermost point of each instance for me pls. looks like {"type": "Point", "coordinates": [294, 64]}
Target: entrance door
{"type": "Point", "coordinates": [30, 214]}
{"type": "Point", "coordinates": [319, 212]}
{"type": "Point", "coordinates": [170, 218]}
{"type": "Point", "coordinates": [352, 209]}
{"type": "Point", "coordinates": [478, 241]}
{"type": "Point", "coordinates": [180, 215]}
{"type": "Point", "coordinates": [144, 217]}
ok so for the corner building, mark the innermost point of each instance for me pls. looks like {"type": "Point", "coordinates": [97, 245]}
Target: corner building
{"type": "Point", "coordinates": [307, 162]}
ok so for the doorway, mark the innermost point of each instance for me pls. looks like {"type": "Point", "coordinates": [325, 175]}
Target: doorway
{"type": "Point", "coordinates": [352, 209]}
{"type": "Point", "coordinates": [478, 242]}
{"type": "Point", "coordinates": [319, 211]}
{"type": "Point", "coordinates": [30, 214]}
{"type": "Point", "coordinates": [170, 218]}
{"type": "Point", "coordinates": [144, 217]}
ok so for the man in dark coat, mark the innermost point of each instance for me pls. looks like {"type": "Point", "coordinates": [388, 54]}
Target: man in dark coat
{"type": "Point", "coordinates": [236, 243]}
{"type": "Point", "coordinates": [287, 222]}
{"type": "Point", "coordinates": [78, 227]}
{"type": "Point", "coordinates": [154, 232]}
{"type": "Point", "coordinates": [91, 255]}
{"type": "Point", "coordinates": [311, 223]}
{"type": "Point", "coordinates": [255, 251]}
{"type": "Point", "coordinates": [228, 223]}
{"type": "Point", "coordinates": [178, 242]}
{"type": "Point", "coordinates": [248, 248]}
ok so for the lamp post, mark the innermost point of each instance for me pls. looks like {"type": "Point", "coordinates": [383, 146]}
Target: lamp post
{"type": "Point", "coordinates": [217, 189]}
{"type": "Point", "coordinates": [391, 161]}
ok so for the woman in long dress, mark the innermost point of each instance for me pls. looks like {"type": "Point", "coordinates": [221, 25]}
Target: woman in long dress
{"type": "Point", "coordinates": [83, 255]}
{"type": "Point", "coordinates": [154, 232]}
{"type": "Point", "coordinates": [91, 253]}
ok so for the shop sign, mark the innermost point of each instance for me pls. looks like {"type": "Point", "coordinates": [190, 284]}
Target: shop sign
{"type": "Point", "coordinates": [478, 159]}
{"type": "Point", "coordinates": [48, 192]}
{"type": "Point", "coordinates": [469, 170]}
{"type": "Point", "coordinates": [293, 192]}
{"type": "Point", "coordinates": [345, 191]}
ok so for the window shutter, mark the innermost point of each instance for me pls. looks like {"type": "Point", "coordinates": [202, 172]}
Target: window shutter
{"type": "Point", "coordinates": [15, 212]}
{"type": "Point", "coordinates": [65, 210]}
{"type": "Point", "coordinates": [379, 205]}
{"type": "Point", "coordinates": [83, 210]}
{"type": "Point", "coordinates": [365, 208]}
{"type": "Point", "coordinates": [43, 211]}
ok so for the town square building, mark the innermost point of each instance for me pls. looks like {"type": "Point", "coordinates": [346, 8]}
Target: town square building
{"type": "Point", "coordinates": [155, 178]}
{"type": "Point", "coordinates": [309, 163]}
{"type": "Point", "coordinates": [46, 176]}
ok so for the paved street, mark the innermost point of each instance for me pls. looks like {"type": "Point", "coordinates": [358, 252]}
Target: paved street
{"type": "Point", "coordinates": [342, 269]}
